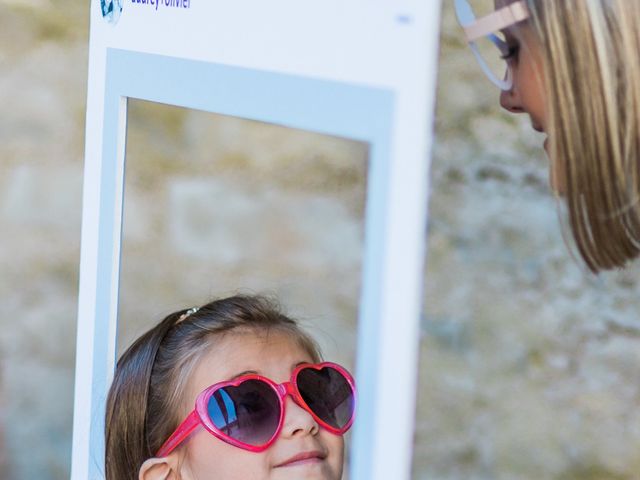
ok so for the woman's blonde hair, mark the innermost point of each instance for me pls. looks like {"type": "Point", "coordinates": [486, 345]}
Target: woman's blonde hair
{"type": "Point", "coordinates": [592, 73]}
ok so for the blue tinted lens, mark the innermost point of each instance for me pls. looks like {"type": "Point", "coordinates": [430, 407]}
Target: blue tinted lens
{"type": "Point", "coordinates": [249, 412]}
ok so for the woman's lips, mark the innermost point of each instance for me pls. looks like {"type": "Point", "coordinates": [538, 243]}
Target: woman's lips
{"type": "Point", "coordinates": [303, 458]}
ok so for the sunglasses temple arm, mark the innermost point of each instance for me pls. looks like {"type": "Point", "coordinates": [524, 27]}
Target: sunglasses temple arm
{"type": "Point", "coordinates": [179, 435]}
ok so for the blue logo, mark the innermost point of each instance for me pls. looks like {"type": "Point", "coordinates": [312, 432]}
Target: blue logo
{"type": "Point", "coordinates": [111, 10]}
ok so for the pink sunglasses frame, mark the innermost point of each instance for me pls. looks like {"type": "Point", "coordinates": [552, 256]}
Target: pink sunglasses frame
{"type": "Point", "coordinates": [199, 415]}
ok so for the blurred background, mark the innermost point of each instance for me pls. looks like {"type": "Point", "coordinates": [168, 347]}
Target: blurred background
{"type": "Point", "coordinates": [528, 364]}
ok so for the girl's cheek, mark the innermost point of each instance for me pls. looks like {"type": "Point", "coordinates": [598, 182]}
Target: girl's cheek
{"type": "Point", "coordinates": [209, 459]}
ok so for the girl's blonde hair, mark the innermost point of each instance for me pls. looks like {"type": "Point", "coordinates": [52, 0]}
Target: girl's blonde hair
{"type": "Point", "coordinates": [592, 75]}
{"type": "Point", "coordinates": [143, 406]}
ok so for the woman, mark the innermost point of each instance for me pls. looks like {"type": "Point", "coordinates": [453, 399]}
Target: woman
{"type": "Point", "coordinates": [573, 66]}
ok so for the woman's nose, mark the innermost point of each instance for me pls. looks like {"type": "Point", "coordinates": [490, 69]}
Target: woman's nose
{"type": "Point", "coordinates": [297, 421]}
{"type": "Point", "coordinates": [509, 101]}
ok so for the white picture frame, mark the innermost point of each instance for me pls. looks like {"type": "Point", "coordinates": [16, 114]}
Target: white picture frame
{"type": "Point", "coordinates": [360, 70]}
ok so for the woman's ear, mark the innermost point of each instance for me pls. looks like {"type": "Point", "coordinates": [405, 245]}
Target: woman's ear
{"type": "Point", "coordinates": [156, 469]}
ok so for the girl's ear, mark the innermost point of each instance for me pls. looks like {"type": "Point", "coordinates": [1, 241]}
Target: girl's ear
{"type": "Point", "coordinates": [157, 469]}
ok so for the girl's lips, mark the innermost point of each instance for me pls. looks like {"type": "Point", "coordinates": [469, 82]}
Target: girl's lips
{"type": "Point", "coordinates": [303, 458]}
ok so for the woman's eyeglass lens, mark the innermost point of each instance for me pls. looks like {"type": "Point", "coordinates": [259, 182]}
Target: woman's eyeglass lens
{"type": "Point", "coordinates": [491, 49]}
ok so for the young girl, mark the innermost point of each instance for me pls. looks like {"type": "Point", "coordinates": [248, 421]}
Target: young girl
{"type": "Point", "coordinates": [573, 67]}
{"type": "Point", "coordinates": [230, 390]}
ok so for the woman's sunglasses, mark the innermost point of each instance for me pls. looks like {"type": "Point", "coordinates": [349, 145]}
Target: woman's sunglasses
{"type": "Point", "coordinates": [248, 412]}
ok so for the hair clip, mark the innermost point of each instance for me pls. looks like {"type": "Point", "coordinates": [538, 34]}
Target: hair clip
{"type": "Point", "coordinates": [189, 312]}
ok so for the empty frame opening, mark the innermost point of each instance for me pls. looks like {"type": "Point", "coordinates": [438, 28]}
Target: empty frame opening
{"type": "Point", "coordinates": [216, 205]}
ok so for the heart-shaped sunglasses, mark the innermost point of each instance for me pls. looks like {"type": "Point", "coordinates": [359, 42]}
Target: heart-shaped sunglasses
{"type": "Point", "coordinates": [248, 411]}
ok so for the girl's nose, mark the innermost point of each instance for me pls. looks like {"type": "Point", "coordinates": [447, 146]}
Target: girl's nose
{"type": "Point", "coordinates": [297, 421]}
{"type": "Point", "coordinates": [509, 101]}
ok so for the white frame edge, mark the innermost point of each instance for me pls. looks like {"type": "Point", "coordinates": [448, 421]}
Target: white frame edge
{"type": "Point", "coordinates": [396, 281]}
